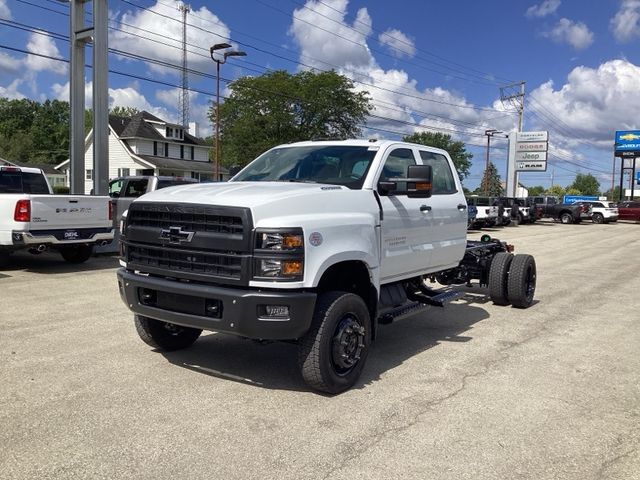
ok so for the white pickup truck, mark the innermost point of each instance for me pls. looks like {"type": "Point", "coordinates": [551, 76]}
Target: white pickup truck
{"type": "Point", "coordinates": [32, 218]}
{"type": "Point", "coordinates": [313, 242]}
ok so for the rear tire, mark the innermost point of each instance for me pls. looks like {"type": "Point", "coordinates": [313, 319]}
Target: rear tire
{"type": "Point", "coordinates": [165, 336]}
{"type": "Point", "coordinates": [566, 218]}
{"type": "Point", "coordinates": [332, 354]}
{"type": "Point", "coordinates": [498, 276]}
{"type": "Point", "coordinates": [597, 218]}
{"type": "Point", "coordinates": [76, 253]}
{"type": "Point", "coordinates": [521, 284]}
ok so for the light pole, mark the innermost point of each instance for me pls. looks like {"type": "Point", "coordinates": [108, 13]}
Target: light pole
{"type": "Point", "coordinates": [220, 58]}
{"type": "Point", "coordinates": [489, 134]}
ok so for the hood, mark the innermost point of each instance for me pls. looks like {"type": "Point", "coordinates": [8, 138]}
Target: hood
{"type": "Point", "coordinates": [238, 194]}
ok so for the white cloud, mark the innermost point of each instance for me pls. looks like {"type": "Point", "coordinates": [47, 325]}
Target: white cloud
{"type": "Point", "coordinates": [547, 7]}
{"type": "Point", "coordinates": [626, 22]}
{"type": "Point", "coordinates": [594, 102]}
{"type": "Point", "coordinates": [9, 64]}
{"type": "Point", "coordinates": [11, 91]}
{"type": "Point", "coordinates": [399, 44]}
{"type": "Point", "coordinates": [5, 13]}
{"type": "Point", "coordinates": [42, 44]}
{"type": "Point", "coordinates": [326, 40]}
{"type": "Point", "coordinates": [576, 34]}
{"type": "Point", "coordinates": [162, 22]}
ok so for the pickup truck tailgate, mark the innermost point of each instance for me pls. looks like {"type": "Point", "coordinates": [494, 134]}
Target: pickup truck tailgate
{"type": "Point", "coordinates": [68, 211]}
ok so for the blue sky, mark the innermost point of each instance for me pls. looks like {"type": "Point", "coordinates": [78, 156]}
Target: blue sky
{"type": "Point", "coordinates": [430, 65]}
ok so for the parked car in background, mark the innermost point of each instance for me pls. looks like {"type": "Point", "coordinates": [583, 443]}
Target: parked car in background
{"type": "Point", "coordinates": [599, 212]}
{"type": "Point", "coordinates": [487, 215]}
{"type": "Point", "coordinates": [551, 207]}
{"type": "Point", "coordinates": [472, 212]}
{"type": "Point", "coordinates": [33, 218]}
{"type": "Point", "coordinates": [629, 210]}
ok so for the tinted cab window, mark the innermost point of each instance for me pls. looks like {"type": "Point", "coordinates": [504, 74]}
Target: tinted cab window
{"type": "Point", "coordinates": [443, 180]}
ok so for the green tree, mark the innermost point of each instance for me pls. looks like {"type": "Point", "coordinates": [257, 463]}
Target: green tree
{"type": "Point", "coordinates": [491, 184]}
{"type": "Point", "coordinates": [614, 195]}
{"type": "Point", "coordinates": [124, 112]}
{"type": "Point", "coordinates": [279, 107]}
{"type": "Point", "coordinates": [555, 191]}
{"type": "Point", "coordinates": [586, 184]}
{"type": "Point", "coordinates": [456, 149]}
{"type": "Point", "coordinates": [536, 190]}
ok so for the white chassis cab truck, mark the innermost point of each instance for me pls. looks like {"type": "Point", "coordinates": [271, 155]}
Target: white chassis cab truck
{"type": "Point", "coordinates": [312, 242]}
{"type": "Point", "coordinates": [33, 219]}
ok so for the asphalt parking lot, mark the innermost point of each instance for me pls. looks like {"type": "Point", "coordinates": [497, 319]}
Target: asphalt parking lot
{"type": "Point", "coordinates": [472, 391]}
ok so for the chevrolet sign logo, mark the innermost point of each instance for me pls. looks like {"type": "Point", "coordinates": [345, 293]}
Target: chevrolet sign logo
{"type": "Point", "coordinates": [176, 235]}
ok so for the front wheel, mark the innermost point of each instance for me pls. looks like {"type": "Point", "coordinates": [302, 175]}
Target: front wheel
{"type": "Point", "coordinates": [165, 336]}
{"type": "Point", "coordinates": [77, 252]}
{"type": "Point", "coordinates": [331, 355]}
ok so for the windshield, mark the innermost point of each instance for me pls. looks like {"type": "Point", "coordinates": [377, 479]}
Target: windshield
{"type": "Point", "coordinates": [332, 164]}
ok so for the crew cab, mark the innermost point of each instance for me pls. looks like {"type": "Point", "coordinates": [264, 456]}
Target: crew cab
{"type": "Point", "coordinates": [33, 218]}
{"type": "Point", "coordinates": [629, 210]}
{"type": "Point", "coordinates": [550, 207]}
{"type": "Point", "coordinates": [315, 243]}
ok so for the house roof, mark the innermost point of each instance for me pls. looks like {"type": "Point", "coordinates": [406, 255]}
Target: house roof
{"type": "Point", "coordinates": [173, 163]}
{"type": "Point", "coordinates": [47, 168]}
{"type": "Point", "coordinates": [136, 126]}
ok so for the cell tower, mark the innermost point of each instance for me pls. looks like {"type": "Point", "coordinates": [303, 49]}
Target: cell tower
{"type": "Point", "coordinates": [183, 98]}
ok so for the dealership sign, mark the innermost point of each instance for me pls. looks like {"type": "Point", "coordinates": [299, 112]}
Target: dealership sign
{"type": "Point", "coordinates": [627, 143]}
{"type": "Point", "coordinates": [529, 153]}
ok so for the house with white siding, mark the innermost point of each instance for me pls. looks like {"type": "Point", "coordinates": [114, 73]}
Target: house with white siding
{"type": "Point", "coordinates": [143, 144]}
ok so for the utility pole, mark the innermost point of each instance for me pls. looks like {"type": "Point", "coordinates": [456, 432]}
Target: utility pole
{"type": "Point", "coordinates": [513, 95]}
{"type": "Point", "coordinates": [183, 99]}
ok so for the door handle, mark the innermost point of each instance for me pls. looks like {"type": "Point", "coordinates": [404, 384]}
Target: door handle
{"type": "Point", "coordinates": [425, 208]}
{"type": "Point", "coordinates": [462, 206]}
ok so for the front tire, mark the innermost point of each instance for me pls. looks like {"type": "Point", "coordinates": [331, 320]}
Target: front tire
{"type": "Point", "coordinates": [77, 252]}
{"type": "Point", "coordinates": [332, 354]}
{"type": "Point", "coordinates": [521, 284]}
{"type": "Point", "coordinates": [165, 336]}
{"type": "Point", "coordinates": [498, 274]}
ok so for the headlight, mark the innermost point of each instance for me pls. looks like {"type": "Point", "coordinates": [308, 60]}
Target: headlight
{"type": "Point", "coordinates": [279, 254]}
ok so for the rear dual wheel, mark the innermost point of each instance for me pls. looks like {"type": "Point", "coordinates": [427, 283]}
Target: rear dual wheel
{"type": "Point", "coordinates": [512, 279]}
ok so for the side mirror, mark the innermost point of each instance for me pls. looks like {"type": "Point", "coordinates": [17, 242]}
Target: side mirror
{"type": "Point", "coordinates": [386, 187]}
{"type": "Point", "coordinates": [114, 194]}
{"type": "Point", "coordinates": [419, 181]}
{"type": "Point", "coordinates": [233, 171]}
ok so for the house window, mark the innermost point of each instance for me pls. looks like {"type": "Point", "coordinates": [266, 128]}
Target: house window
{"type": "Point", "coordinates": [124, 172]}
{"type": "Point", "coordinates": [192, 153]}
{"type": "Point", "coordinates": [169, 132]}
{"type": "Point", "coordinates": [181, 151]}
{"type": "Point", "coordinates": [166, 149]}
{"type": "Point", "coordinates": [155, 148]}
{"type": "Point", "coordinates": [88, 175]}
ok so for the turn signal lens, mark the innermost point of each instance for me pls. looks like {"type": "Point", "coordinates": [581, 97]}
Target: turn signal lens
{"type": "Point", "coordinates": [291, 268]}
{"type": "Point", "coordinates": [281, 241]}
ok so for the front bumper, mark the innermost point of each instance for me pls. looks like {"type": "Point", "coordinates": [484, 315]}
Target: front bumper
{"type": "Point", "coordinates": [219, 309]}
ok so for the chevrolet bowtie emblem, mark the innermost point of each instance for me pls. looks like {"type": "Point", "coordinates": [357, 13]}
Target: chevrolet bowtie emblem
{"type": "Point", "coordinates": [176, 235]}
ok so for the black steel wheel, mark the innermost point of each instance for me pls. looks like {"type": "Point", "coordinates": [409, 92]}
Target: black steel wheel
{"type": "Point", "coordinates": [333, 352]}
{"type": "Point", "coordinates": [77, 252]}
{"type": "Point", "coordinates": [597, 218]}
{"type": "Point", "coordinates": [498, 275]}
{"type": "Point", "coordinates": [165, 336]}
{"type": "Point", "coordinates": [521, 284]}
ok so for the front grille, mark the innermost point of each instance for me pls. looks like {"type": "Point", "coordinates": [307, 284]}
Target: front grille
{"type": "Point", "coordinates": [194, 242]}
{"type": "Point", "coordinates": [179, 260]}
{"type": "Point", "coordinates": [196, 218]}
